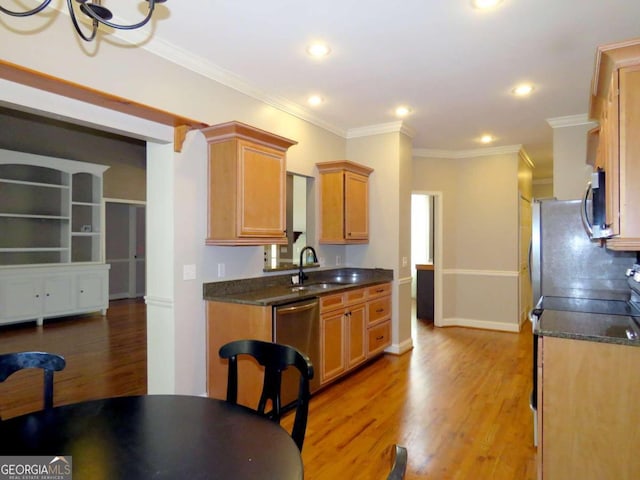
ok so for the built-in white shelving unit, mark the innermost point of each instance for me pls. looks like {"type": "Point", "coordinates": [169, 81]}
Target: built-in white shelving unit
{"type": "Point", "coordinates": [51, 237]}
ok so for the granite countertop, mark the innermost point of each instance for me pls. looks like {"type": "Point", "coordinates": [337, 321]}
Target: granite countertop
{"type": "Point", "coordinates": [277, 289]}
{"type": "Point", "coordinates": [595, 327]}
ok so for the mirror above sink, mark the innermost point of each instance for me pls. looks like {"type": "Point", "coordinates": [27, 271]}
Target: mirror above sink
{"type": "Point", "coordinates": [299, 206]}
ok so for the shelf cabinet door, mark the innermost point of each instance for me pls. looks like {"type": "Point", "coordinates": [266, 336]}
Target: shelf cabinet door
{"type": "Point", "coordinates": [92, 290]}
{"type": "Point", "coordinates": [262, 190]}
{"type": "Point", "coordinates": [356, 327]}
{"type": "Point", "coordinates": [332, 338]}
{"type": "Point", "coordinates": [57, 294]}
{"type": "Point", "coordinates": [356, 206]}
{"type": "Point", "coordinates": [19, 298]}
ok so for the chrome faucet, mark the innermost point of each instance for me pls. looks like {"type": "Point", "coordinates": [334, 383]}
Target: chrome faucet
{"type": "Point", "coordinates": [301, 275]}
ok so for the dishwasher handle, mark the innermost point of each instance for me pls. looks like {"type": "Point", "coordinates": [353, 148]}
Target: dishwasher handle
{"type": "Point", "coordinates": [297, 308]}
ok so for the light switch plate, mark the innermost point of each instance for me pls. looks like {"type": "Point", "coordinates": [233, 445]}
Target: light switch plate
{"type": "Point", "coordinates": [188, 272]}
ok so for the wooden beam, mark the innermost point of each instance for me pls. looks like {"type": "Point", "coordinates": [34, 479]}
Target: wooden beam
{"type": "Point", "coordinates": [32, 78]}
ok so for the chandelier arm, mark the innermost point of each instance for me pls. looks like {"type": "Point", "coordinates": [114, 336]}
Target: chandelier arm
{"type": "Point", "coordinates": [97, 18]}
{"type": "Point", "coordinates": [94, 29]}
{"type": "Point", "coordinates": [33, 11]}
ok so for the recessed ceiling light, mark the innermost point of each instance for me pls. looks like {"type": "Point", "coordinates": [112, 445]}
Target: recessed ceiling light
{"type": "Point", "coordinates": [485, 4]}
{"type": "Point", "coordinates": [403, 111]}
{"type": "Point", "coordinates": [523, 90]}
{"type": "Point", "coordinates": [487, 138]}
{"type": "Point", "coordinates": [318, 50]}
{"type": "Point", "coordinates": [315, 100]}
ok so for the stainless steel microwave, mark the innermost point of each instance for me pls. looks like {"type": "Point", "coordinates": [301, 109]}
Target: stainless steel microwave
{"type": "Point", "coordinates": [594, 207]}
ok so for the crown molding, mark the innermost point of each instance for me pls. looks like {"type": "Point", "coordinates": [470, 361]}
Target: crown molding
{"type": "Point", "coordinates": [570, 121]}
{"type": "Point", "coordinates": [209, 70]}
{"type": "Point", "coordinates": [381, 128]}
{"type": "Point", "coordinates": [478, 152]}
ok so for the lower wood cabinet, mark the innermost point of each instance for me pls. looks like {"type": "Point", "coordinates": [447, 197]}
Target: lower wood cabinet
{"type": "Point", "coordinates": [354, 326]}
{"type": "Point", "coordinates": [588, 413]}
{"type": "Point", "coordinates": [36, 293]}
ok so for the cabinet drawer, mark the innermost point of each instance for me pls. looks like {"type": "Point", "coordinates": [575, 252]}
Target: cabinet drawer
{"type": "Point", "coordinates": [355, 296]}
{"type": "Point", "coordinates": [379, 337]}
{"type": "Point", "coordinates": [379, 290]}
{"type": "Point", "coordinates": [379, 310]}
{"type": "Point", "coordinates": [330, 302]}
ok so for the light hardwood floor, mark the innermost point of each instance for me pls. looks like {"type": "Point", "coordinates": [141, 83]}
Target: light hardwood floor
{"type": "Point", "coordinates": [457, 401]}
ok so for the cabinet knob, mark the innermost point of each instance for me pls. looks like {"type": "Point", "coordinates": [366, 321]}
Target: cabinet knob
{"type": "Point", "coordinates": [81, 291]}
{"type": "Point", "coordinates": [37, 295]}
{"type": "Point", "coordinates": [47, 294]}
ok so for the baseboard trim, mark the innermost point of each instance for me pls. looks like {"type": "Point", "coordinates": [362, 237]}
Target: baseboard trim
{"type": "Point", "coordinates": [400, 348]}
{"type": "Point", "coordinates": [481, 324]}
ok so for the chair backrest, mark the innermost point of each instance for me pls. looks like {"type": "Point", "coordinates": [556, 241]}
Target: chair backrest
{"type": "Point", "coordinates": [48, 362]}
{"type": "Point", "coordinates": [275, 358]}
{"type": "Point", "coordinates": [398, 463]}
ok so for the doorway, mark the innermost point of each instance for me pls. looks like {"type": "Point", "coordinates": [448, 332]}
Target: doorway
{"type": "Point", "coordinates": [125, 248]}
{"type": "Point", "coordinates": [426, 254]}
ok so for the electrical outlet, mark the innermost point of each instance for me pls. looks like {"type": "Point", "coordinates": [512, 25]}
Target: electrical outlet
{"type": "Point", "coordinates": [405, 261]}
{"type": "Point", "coordinates": [338, 260]}
{"type": "Point", "coordinates": [221, 270]}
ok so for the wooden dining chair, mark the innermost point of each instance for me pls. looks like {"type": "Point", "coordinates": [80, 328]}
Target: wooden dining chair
{"type": "Point", "coordinates": [275, 358]}
{"type": "Point", "coordinates": [48, 362]}
{"type": "Point", "coordinates": [398, 463]}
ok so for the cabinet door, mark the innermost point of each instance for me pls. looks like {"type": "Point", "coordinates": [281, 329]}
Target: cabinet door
{"type": "Point", "coordinates": [58, 294]}
{"type": "Point", "coordinates": [356, 351]}
{"type": "Point", "coordinates": [20, 299]}
{"type": "Point", "coordinates": [91, 291]}
{"type": "Point", "coordinates": [356, 215]}
{"type": "Point", "coordinates": [629, 100]}
{"type": "Point", "coordinates": [332, 343]}
{"type": "Point", "coordinates": [261, 192]}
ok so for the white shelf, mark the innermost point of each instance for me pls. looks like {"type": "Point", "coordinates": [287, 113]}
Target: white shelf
{"type": "Point", "coordinates": [34, 184]}
{"type": "Point", "coordinates": [87, 204]}
{"type": "Point", "coordinates": [35, 249]}
{"type": "Point", "coordinates": [45, 217]}
{"type": "Point", "coordinates": [85, 234]}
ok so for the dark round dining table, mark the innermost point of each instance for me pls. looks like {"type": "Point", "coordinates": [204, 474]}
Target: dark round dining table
{"type": "Point", "coordinates": [156, 437]}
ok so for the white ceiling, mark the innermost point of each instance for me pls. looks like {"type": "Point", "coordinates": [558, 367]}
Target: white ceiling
{"type": "Point", "coordinates": [454, 65]}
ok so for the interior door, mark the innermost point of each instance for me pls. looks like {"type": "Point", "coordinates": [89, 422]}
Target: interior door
{"type": "Point", "coordinates": [125, 249]}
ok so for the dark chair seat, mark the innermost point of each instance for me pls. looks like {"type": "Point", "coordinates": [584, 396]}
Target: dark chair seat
{"type": "Point", "coordinates": [48, 362]}
{"type": "Point", "coordinates": [275, 358]}
{"type": "Point", "coordinates": [399, 463]}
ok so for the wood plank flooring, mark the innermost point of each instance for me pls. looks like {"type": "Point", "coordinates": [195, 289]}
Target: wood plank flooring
{"type": "Point", "coordinates": [458, 401]}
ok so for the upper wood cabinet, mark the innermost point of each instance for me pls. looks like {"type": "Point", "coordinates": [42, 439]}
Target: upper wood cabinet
{"type": "Point", "coordinates": [247, 185]}
{"type": "Point", "coordinates": [344, 202]}
{"type": "Point", "coordinates": [615, 104]}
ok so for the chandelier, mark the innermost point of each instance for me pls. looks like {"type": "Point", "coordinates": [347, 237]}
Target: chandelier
{"type": "Point", "coordinates": [92, 9]}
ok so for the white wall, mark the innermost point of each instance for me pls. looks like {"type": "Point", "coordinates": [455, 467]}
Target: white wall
{"type": "Point", "coordinates": [570, 170]}
{"type": "Point", "coordinates": [480, 236]}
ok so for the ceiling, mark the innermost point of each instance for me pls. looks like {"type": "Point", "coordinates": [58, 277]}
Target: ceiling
{"type": "Point", "coordinates": [455, 66]}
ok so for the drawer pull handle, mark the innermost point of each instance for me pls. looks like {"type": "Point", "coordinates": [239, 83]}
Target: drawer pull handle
{"type": "Point", "coordinates": [380, 337]}
{"type": "Point", "coordinates": [380, 290]}
{"type": "Point", "coordinates": [380, 310]}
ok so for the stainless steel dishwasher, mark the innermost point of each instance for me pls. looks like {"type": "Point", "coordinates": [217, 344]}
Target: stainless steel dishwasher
{"type": "Point", "coordinates": [298, 325]}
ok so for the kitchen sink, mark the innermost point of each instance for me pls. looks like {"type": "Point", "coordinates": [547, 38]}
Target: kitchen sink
{"type": "Point", "coordinates": [317, 286]}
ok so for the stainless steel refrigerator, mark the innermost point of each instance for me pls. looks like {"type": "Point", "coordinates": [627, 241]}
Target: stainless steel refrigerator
{"type": "Point", "coordinates": [566, 263]}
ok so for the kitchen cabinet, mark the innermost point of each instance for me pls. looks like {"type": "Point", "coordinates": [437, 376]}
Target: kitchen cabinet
{"type": "Point", "coordinates": [378, 319]}
{"type": "Point", "coordinates": [342, 327]}
{"type": "Point", "coordinates": [354, 326]}
{"type": "Point", "coordinates": [615, 103]}
{"type": "Point", "coordinates": [588, 416]}
{"type": "Point", "coordinates": [344, 202]}
{"type": "Point", "coordinates": [36, 293]}
{"type": "Point", "coordinates": [227, 322]}
{"type": "Point", "coordinates": [247, 185]}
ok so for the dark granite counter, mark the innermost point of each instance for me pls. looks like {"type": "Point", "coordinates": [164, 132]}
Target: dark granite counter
{"type": "Point", "coordinates": [595, 327]}
{"type": "Point", "coordinates": [277, 289]}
